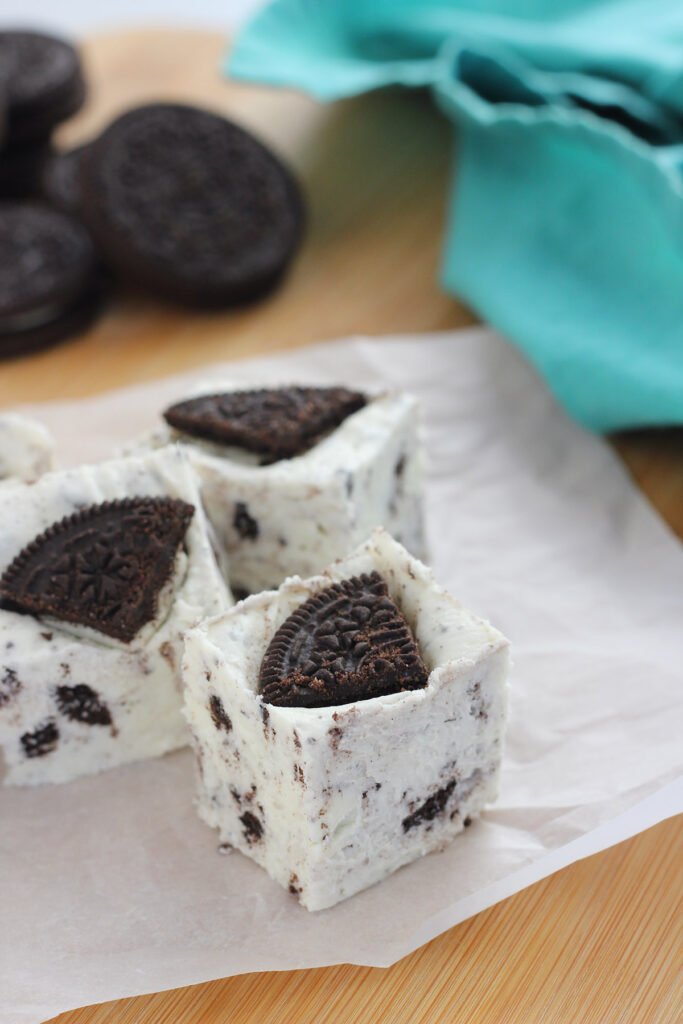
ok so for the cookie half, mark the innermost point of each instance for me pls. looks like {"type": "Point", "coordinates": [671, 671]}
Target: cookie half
{"type": "Point", "coordinates": [48, 282]}
{"type": "Point", "coordinates": [42, 83]}
{"type": "Point", "coordinates": [189, 205]}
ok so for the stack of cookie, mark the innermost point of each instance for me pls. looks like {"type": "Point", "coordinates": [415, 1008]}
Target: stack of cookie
{"type": "Point", "coordinates": [173, 199]}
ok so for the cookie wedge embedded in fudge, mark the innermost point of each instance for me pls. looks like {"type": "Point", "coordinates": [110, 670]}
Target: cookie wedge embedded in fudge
{"type": "Point", "coordinates": [274, 423]}
{"type": "Point", "coordinates": [26, 448]}
{"type": "Point", "coordinates": [331, 797]}
{"type": "Point", "coordinates": [102, 569]}
{"type": "Point", "coordinates": [345, 643]}
{"type": "Point", "coordinates": [294, 477]}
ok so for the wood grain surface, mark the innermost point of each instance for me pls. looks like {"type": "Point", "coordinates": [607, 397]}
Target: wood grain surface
{"type": "Point", "coordinates": [598, 942]}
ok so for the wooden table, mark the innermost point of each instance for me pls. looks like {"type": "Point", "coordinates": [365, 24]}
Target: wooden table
{"type": "Point", "coordinates": [597, 942]}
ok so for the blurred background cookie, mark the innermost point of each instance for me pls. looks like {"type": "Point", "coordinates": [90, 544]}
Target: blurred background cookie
{"type": "Point", "coordinates": [42, 82]}
{"type": "Point", "coordinates": [48, 279]}
{"type": "Point", "coordinates": [188, 205]}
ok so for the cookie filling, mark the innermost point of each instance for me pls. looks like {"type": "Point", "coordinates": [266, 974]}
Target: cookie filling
{"type": "Point", "coordinates": [102, 567]}
{"type": "Point", "coordinates": [275, 423]}
{"type": "Point", "coordinates": [347, 643]}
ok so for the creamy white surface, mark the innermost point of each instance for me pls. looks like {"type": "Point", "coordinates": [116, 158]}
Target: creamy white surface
{"type": "Point", "coordinates": [319, 505]}
{"type": "Point", "coordinates": [140, 681]}
{"type": "Point", "coordinates": [536, 526]}
{"type": "Point", "coordinates": [26, 448]}
{"type": "Point", "coordinates": [332, 786]}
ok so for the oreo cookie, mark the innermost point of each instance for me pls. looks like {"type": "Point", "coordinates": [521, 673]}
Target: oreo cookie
{"type": "Point", "coordinates": [48, 283]}
{"type": "Point", "coordinates": [277, 423]}
{"type": "Point", "coordinates": [42, 84]}
{"type": "Point", "coordinates": [346, 643]}
{"type": "Point", "coordinates": [188, 205]}
{"type": "Point", "coordinates": [103, 567]}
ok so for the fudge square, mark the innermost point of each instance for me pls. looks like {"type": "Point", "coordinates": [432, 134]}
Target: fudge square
{"type": "Point", "coordinates": [294, 477]}
{"type": "Point", "coordinates": [346, 724]}
{"type": "Point", "coordinates": [26, 448]}
{"type": "Point", "coordinates": [102, 569]}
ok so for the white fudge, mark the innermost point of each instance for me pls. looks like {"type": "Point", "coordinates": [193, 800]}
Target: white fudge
{"type": "Point", "coordinates": [297, 515]}
{"type": "Point", "coordinates": [26, 448]}
{"type": "Point", "coordinates": [73, 700]}
{"type": "Point", "coordinates": [330, 800]}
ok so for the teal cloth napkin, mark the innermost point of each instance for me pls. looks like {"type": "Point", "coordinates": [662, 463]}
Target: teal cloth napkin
{"type": "Point", "coordinates": [566, 219]}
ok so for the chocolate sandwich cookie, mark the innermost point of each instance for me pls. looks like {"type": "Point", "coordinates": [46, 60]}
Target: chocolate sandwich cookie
{"type": "Point", "coordinates": [60, 180]}
{"type": "Point", "coordinates": [276, 423]}
{"type": "Point", "coordinates": [42, 82]}
{"type": "Point", "coordinates": [102, 567]}
{"type": "Point", "coordinates": [48, 285]}
{"type": "Point", "coordinates": [185, 203]}
{"type": "Point", "coordinates": [347, 643]}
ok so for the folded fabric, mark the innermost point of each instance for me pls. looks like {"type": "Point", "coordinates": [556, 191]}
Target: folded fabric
{"type": "Point", "coordinates": [566, 219]}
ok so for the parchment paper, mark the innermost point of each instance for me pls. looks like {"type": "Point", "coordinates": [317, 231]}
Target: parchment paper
{"type": "Point", "coordinates": [112, 887]}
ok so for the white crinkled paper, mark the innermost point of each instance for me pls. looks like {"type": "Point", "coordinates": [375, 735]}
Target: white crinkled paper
{"type": "Point", "coordinates": [112, 887]}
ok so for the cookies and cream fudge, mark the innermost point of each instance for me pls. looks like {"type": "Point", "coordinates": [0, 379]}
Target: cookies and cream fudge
{"type": "Point", "coordinates": [294, 477]}
{"type": "Point", "coordinates": [346, 724]}
{"type": "Point", "coordinates": [102, 569]}
{"type": "Point", "coordinates": [26, 448]}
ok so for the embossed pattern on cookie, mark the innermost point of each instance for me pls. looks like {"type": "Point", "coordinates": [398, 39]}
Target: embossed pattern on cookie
{"type": "Point", "coordinates": [102, 567]}
{"type": "Point", "coordinates": [346, 643]}
{"type": "Point", "coordinates": [276, 423]}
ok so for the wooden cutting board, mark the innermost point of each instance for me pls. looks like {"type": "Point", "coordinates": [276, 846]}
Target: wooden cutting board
{"type": "Point", "coordinates": [597, 942]}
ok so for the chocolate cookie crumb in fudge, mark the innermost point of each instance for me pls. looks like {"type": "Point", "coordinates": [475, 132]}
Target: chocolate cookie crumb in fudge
{"type": "Point", "coordinates": [431, 808]}
{"type": "Point", "coordinates": [10, 685]}
{"type": "Point", "coordinates": [101, 567]}
{"type": "Point", "coordinates": [82, 704]}
{"type": "Point", "coordinates": [41, 741]}
{"type": "Point", "coordinates": [346, 643]}
{"type": "Point", "coordinates": [244, 522]}
{"type": "Point", "coordinates": [220, 719]}
{"type": "Point", "coordinates": [277, 423]}
{"type": "Point", "coordinates": [346, 793]}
